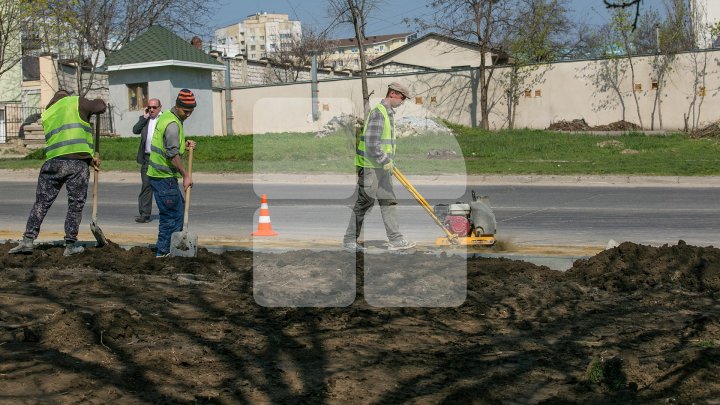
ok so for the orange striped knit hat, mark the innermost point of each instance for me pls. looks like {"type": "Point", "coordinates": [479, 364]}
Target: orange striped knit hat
{"type": "Point", "coordinates": [185, 99]}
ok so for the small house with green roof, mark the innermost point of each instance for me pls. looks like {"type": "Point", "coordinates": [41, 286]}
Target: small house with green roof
{"type": "Point", "coordinates": [158, 64]}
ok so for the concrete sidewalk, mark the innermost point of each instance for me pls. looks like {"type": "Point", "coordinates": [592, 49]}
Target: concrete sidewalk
{"type": "Point", "coordinates": [30, 175]}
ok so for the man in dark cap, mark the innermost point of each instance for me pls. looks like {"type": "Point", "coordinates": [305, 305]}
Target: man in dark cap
{"type": "Point", "coordinates": [374, 163]}
{"type": "Point", "coordinates": [166, 166]}
{"type": "Point", "coordinates": [69, 151]}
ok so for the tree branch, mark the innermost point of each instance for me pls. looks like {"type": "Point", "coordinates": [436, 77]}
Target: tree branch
{"type": "Point", "coordinates": [625, 4]}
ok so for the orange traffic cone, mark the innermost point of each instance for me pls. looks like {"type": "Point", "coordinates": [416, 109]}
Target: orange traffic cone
{"type": "Point", "coordinates": [264, 225]}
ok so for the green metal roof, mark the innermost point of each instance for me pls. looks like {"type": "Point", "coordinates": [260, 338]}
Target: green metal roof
{"type": "Point", "coordinates": [159, 46]}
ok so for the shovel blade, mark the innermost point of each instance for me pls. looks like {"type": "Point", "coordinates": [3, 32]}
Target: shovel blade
{"type": "Point", "coordinates": [183, 244]}
{"type": "Point", "coordinates": [98, 233]}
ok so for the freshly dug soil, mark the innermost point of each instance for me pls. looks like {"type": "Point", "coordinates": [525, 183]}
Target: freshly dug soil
{"type": "Point", "coordinates": [633, 324]}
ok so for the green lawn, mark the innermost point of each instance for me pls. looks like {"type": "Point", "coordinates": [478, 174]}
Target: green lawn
{"type": "Point", "coordinates": [477, 151]}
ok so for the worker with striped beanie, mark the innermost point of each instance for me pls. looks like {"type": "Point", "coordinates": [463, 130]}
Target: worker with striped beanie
{"type": "Point", "coordinates": [166, 167]}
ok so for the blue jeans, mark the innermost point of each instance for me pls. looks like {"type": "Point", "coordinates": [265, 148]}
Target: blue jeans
{"type": "Point", "coordinates": [171, 204]}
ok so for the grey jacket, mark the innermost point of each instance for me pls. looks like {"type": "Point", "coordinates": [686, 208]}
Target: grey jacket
{"type": "Point", "coordinates": [141, 128]}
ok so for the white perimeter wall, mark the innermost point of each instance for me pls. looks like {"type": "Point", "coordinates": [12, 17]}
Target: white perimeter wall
{"type": "Point", "coordinates": [561, 91]}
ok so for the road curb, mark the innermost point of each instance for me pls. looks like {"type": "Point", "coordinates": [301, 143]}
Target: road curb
{"type": "Point", "coordinates": [30, 175]}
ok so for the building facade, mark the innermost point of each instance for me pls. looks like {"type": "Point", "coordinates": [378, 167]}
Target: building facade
{"type": "Point", "coordinates": [258, 36]}
{"type": "Point", "coordinates": [344, 53]}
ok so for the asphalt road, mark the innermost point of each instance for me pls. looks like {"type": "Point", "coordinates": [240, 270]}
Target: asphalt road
{"type": "Point", "coordinates": [309, 215]}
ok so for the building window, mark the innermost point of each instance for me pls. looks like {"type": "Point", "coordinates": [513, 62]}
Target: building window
{"type": "Point", "coordinates": [137, 96]}
{"type": "Point", "coordinates": [638, 87]}
{"type": "Point", "coordinates": [538, 93]}
{"type": "Point", "coordinates": [702, 92]}
{"type": "Point", "coordinates": [528, 93]}
{"type": "Point", "coordinates": [654, 85]}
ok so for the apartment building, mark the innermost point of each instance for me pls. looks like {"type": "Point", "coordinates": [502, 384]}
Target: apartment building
{"type": "Point", "coordinates": [344, 54]}
{"type": "Point", "coordinates": [258, 36]}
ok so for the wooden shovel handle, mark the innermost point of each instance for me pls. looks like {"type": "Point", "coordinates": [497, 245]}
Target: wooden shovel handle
{"type": "Point", "coordinates": [187, 192]}
{"type": "Point", "coordinates": [96, 171]}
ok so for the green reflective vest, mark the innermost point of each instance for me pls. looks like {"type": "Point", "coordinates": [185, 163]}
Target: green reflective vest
{"type": "Point", "coordinates": [65, 132]}
{"type": "Point", "coordinates": [160, 166]}
{"type": "Point", "coordinates": [387, 140]}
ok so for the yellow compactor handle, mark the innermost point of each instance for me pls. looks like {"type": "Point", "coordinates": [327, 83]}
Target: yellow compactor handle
{"type": "Point", "coordinates": [423, 203]}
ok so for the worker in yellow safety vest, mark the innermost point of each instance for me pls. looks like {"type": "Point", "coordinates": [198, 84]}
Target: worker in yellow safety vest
{"type": "Point", "coordinates": [166, 167]}
{"type": "Point", "coordinates": [374, 163]}
{"type": "Point", "coordinates": [69, 151]}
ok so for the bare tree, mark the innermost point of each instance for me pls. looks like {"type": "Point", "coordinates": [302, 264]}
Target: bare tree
{"type": "Point", "coordinates": [483, 22]}
{"type": "Point", "coordinates": [538, 36]}
{"type": "Point", "coordinates": [295, 55]}
{"type": "Point", "coordinates": [622, 34]}
{"type": "Point", "coordinates": [672, 35]}
{"type": "Point", "coordinates": [356, 12]}
{"type": "Point", "coordinates": [625, 4]}
{"type": "Point", "coordinates": [82, 32]}
{"type": "Point", "coordinates": [11, 20]}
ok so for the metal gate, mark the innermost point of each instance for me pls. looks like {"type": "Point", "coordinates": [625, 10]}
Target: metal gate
{"type": "Point", "coordinates": [14, 117]}
{"type": "Point", "coordinates": [3, 130]}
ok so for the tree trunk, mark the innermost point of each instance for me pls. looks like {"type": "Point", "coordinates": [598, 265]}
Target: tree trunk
{"type": "Point", "coordinates": [359, 38]}
{"type": "Point", "coordinates": [637, 102]}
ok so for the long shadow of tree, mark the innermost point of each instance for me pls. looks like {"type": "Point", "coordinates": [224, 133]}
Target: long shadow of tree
{"type": "Point", "coordinates": [188, 331]}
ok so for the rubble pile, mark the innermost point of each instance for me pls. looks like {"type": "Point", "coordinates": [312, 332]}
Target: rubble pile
{"type": "Point", "coordinates": [404, 127]}
{"type": "Point", "coordinates": [709, 131]}
{"type": "Point", "coordinates": [345, 123]}
{"type": "Point", "coordinates": [414, 126]}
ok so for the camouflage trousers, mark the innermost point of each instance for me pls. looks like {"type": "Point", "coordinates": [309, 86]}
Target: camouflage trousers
{"type": "Point", "coordinates": [55, 173]}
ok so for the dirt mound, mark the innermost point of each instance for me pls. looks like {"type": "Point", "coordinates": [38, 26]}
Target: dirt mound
{"type": "Point", "coordinates": [617, 126]}
{"type": "Point", "coordinates": [581, 125]}
{"type": "Point", "coordinates": [631, 267]}
{"type": "Point", "coordinates": [633, 324]}
{"type": "Point", "coordinates": [574, 125]}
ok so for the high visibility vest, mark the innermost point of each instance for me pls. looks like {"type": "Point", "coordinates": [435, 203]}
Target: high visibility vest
{"type": "Point", "coordinates": [387, 140]}
{"type": "Point", "coordinates": [160, 166]}
{"type": "Point", "coordinates": [65, 132]}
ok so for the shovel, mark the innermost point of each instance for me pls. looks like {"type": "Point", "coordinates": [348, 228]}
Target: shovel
{"type": "Point", "coordinates": [96, 231]}
{"type": "Point", "coordinates": [184, 243]}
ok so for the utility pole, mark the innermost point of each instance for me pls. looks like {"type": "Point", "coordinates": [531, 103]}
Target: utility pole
{"type": "Point", "coordinates": [314, 87]}
{"type": "Point", "coordinates": [228, 99]}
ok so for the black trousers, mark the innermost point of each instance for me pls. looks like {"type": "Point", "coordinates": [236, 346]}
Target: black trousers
{"type": "Point", "coordinates": [146, 195]}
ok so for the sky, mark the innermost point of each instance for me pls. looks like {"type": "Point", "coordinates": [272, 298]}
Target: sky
{"type": "Point", "coordinates": [388, 19]}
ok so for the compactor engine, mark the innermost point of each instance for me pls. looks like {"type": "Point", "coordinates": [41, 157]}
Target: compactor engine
{"type": "Point", "coordinates": [473, 223]}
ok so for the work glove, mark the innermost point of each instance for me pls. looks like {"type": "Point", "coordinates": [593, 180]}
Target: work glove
{"type": "Point", "coordinates": [388, 167]}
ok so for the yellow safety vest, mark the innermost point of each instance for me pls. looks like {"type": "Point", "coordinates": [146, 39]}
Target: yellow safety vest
{"type": "Point", "coordinates": [160, 166]}
{"type": "Point", "coordinates": [387, 140]}
{"type": "Point", "coordinates": [65, 132]}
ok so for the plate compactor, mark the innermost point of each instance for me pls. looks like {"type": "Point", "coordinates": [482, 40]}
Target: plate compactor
{"type": "Point", "coordinates": [464, 224]}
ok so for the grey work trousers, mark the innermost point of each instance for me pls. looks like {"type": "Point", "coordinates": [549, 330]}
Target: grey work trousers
{"type": "Point", "coordinates": [75, 175]}
{"type": "Point", "coordinates": [374, 184]}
